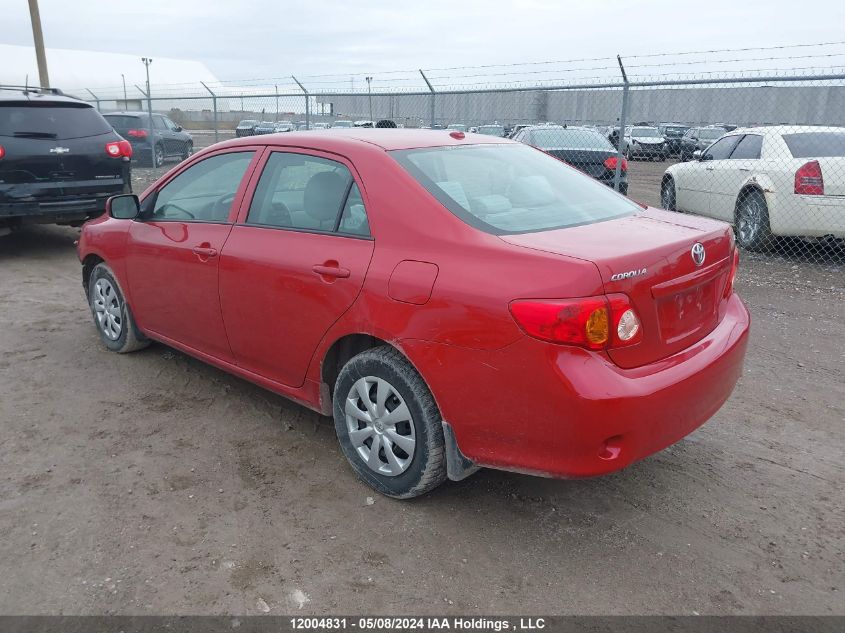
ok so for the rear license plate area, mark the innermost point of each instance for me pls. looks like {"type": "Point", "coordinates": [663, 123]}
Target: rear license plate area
{"type": "Point", "coordinates": [687, 312]}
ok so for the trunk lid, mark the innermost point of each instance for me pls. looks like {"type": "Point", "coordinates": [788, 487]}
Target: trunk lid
{"type": "Point", "coordinates": [648, 257]}
{"type": "Point", "coordinates": [591, 162]}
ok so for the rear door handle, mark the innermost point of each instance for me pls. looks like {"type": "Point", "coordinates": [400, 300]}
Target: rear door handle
{"type": "Point", "coordinates": [331, 271]}
{"type": "Point", "coordinates": [205, 251]}
{"type": "Point", "coordinates": [744, 169]}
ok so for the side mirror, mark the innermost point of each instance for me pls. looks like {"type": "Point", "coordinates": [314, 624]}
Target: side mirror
{"type": "Point", "coordinates": [178, 128]}
{"type": "Point", "coordinates": [696, 155]}
{"type": "Point", "coordinates": [124, 207]}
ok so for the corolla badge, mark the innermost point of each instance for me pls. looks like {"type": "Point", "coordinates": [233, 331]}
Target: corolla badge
{"type": "Point", "coordinates": [629, 274]}
{"type": "Point", "coordinates": [59, 150]}
{"type": "Point", "coordinates": [698, 253]}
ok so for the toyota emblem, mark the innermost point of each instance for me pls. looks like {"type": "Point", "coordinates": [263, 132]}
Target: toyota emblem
{"type": "Point", "coordinates": [698, 253]}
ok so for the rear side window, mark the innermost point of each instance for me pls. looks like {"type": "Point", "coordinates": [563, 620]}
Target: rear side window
{"type": "Point", "coordinates": [507, 189]}
{"type": "Point", "coordinates": [50, 120]}
{"type": "Point", "coordinates": [815, 144]}
{"type": "Point", "coordinates": [205, 191]}
{"type": "Point", "coordinates": [308, 193]}
{"type": "Point", "coordinates": [749, 147]}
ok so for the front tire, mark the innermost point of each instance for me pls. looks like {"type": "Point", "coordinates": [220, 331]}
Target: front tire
{"type": "Point", "coordinates": [111, 313]}
{"type": "Point", "coordinates": [752, 228]}
{"type": "Point", "coordinates": [388, 425]}
{"type": "Point", "coordinates": [189, 151]}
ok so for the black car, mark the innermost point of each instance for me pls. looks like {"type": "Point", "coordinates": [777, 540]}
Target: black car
{"type": "Point", "coordinates": [59, 159]}
{"type": "Point", "coordinates": [164, 137]}
{"type": "Point", "coordinates": [673, 133]}
{"type": "Point", "coordinates": [583, 148]}
{"type": "Point", "coordinates": [246, 127]}
{"type": "Point", "coordinates": [699, 138]}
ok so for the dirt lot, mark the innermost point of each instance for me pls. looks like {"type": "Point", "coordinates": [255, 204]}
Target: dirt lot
{"type": "Point", "coordinates": [151, 483]}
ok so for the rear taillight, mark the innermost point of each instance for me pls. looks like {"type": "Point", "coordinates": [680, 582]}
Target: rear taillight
{"type": "Point", "coordinates": [808, 179]}
{"type": "Point", "coordinates": [610, 163]}
{"type": "Point", "coordinates": [2, 151]}
{"type": "Point", "coordinates": [137, 133]}
{"type": "Point", "coordinates": [729, 287]}
{"type": "Point", "coordinates": [592, 322]}
{"type": "Point", "coordinates": [119, 149]}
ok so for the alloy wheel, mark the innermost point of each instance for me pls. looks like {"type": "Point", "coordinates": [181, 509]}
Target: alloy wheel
{"type": "Point", "coordinates": [107, 309]}
{"type": "Point", "coordinates": [380, 426]}
{"type": "Point", "coordinates": [750, 221]}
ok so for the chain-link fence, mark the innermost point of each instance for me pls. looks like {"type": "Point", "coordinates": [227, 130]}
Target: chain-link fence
{"type": "Point", "coordinates": [765, 153]}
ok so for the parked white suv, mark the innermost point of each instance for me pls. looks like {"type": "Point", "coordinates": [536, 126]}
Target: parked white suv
{"type": "Point", "coordinates": [767, 181]}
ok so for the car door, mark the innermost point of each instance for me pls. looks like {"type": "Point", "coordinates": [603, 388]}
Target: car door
{"type": "Point", "coordinates": [179, 138]}
{"type": "Point", "coordinates": [172, 251]}
{"type": "Point", "coordinates": [294, 263]}
{"type": "Point", "coordinates": [730, 175]}
{"type": "Point", "coordinates": [161, 134]}
{"type": "Point", "coordinates": [719, 175]}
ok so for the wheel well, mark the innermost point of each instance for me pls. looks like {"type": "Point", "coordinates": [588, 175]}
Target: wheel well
{"type": "Point", "coordinates": [666, 178]}
{"type": "Point", "coordinates": [341, 351]}
{"type": "Point", "coordinates": [87, 266]}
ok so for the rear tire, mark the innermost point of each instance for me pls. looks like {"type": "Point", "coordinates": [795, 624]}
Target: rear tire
{"type": "Point", "coordinates": [667, 195]}
{"type": "Point", "coordinates": [158, 155]}
{"type": "Point", "coordinates": [751, 221]}
{"type": "Point", "coordinates": [111, 313]}
{"type": "Point", "coordinates": [382, 404]}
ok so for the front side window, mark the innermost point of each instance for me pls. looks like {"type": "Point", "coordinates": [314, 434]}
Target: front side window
{"type": "Point", "coordinates": [748, 148]}
{"type": "Point", "coordinates": [308, 193]}
{"type": "Point", "coordinates": [159, 123]}
{"type": "Point", "coordinates": [721, 149]}
{"type": "Point", "coordinates": [205, 191]}
{"type": "Point", "coordinates": [507, 189]}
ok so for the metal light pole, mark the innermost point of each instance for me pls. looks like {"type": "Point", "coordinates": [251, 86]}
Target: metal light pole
{"type": "Point", "coordinates": [370, 95]}
{"type": "Point", "coordinates": [125, 99]}
{"type": "Point", "coordinates": [147, 61]}
{"type": "Point", "coordinates": [38, 39]}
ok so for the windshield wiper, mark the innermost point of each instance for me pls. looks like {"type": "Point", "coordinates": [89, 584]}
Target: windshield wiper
{"type": "Point", "coordinates": [35, 135]}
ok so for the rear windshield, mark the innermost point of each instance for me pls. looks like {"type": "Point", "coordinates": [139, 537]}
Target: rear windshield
{"type": "Point", "coordinates": [815, 144]}
{"type": "Point", "coordinates": [568, 139]}
{"type": "Point", "coordinates": [125, 122]}
{"type": "Point", "coordinates": [645, 132]}
{"type": "Point", "coordinates": [711, 133]}
{"type": "Point", "coordinates": [506, 189]}
{"type": "Point", "coordinates": [491, 130]}
{"type": "Point", "coordinates": [59, 121]}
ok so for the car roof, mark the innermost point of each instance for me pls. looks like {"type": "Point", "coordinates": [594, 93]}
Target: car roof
{"type": "Point", "coordinates": [341, 139]}
{"type": "Point", "coordinates": [24, 95]}
{"type": "Point", "coordinates": [127, 113]}
{"type": "Point", "coordinates": [786, 129]}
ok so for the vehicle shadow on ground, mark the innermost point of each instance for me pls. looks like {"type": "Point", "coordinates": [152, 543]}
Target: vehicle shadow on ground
{"type": "Point", "coordinates": [38, 242]}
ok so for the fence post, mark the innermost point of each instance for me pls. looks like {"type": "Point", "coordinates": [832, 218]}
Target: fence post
{"type": "Point", "coordinates": [307, 103]}
{"type": "Point", "coordinates": [213, 105]}
{"type": "Point", "coordinates": [617, 176]}
{"type": "Point", "coordinates": [96, 98]}
{"type": "Point", "coordinates": [431, 88]}
{"type": "Point", "coordinates": [152, 127]}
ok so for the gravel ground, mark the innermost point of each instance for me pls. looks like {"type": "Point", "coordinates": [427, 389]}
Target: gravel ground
{"type": "Point", "coordinates": [152, 483]}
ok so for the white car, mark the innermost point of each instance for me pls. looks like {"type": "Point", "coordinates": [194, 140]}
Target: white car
{"type": "Point", "coordinates": [767, 181]}
{"type": "Point", "coordinates": [283, 126]}
{"type": "Point", "coordinates": [644, 141]}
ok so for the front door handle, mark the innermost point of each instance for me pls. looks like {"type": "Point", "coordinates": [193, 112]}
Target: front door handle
{"type": "Point", "coordinates": [204, 252]}
{"type": "Point", "coordinates": [334, 271]}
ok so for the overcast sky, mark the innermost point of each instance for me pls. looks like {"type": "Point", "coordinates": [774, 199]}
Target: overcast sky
{"type": "Point", "coordinates": [264, 38]}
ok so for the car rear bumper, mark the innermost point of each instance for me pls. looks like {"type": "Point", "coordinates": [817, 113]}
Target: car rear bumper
{"type": "Point", "coordinates": [49, 211]}
{"type": "Point", "coordinates": [807, 216]}
{"type": "Point", "coordinates": [565, 412]}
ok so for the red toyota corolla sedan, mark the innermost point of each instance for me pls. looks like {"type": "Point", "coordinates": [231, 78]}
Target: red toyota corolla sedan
{"type": "Point", "coordinates": [454, 301]}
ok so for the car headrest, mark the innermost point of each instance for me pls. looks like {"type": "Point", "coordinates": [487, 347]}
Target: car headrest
{"type": "Point", "coordinates": [323, 194]}
{"type": "Point", "coordinates": [531, 191]}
